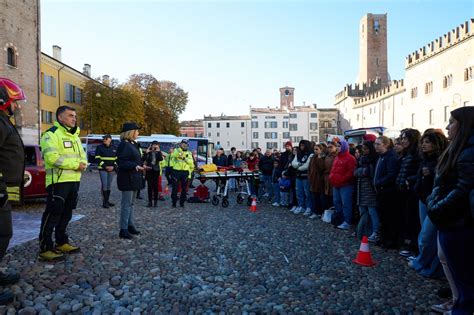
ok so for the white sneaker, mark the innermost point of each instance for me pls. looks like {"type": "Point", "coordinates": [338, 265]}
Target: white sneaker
{"type": "Point", "coordinates": [293, 209]}
{"type": "Point", "coordinates": [308, 212]}
{"type": "Point", "coordinates": [275, 204]}
{"type": "Point", "coordinates": [373, 237]}
{"type": "Point", "coordinates": [313, 216]}
{"type": "Point", "coordinates": [265, 196]}
{"type": "Point", "coordinates": [298, 210]}
{"type": "Point", "coordinates": [344, 226]}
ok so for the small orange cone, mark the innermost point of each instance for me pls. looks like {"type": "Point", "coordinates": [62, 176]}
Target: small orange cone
{"type": "Point", "coordinates": [253, 207]}
{"type": "Point", "coordinates": [167, 191]}
{"type": "Point", "coordinates": [363, 257]}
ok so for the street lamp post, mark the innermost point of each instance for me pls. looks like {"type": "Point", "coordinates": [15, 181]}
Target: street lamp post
{"type": "Point", "coordinates": [97, 95]}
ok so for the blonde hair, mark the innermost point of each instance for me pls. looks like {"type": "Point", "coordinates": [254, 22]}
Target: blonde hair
{"type": "Point", "coordinates": [127, 135]}
{"type": "Point", "coordinates": [387, 141]}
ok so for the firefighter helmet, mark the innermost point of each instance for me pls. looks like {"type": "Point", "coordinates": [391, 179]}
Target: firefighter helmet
{"type": "Point", "coordinates": [9, 92]}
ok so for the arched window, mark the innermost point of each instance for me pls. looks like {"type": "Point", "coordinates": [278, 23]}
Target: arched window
{"type": "Point", "coordinates": [11, 57]}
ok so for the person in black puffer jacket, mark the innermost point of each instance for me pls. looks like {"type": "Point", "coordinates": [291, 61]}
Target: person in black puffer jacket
{"type": "Point", "coordinates": [406, 179]}
{"type": "Point", "coordinates": [265, 165]}
{"type": "Point", "coordinates": [449, 207]}
{"type": "Point", "coordinates": [129, 177]}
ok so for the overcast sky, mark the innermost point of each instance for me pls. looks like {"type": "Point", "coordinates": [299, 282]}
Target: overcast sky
{"type": "Point", "coordinates": [232, 54]}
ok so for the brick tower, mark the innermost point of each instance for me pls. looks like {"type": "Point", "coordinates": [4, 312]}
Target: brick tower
{"type": "Point", "coordinates": [373, 49]}
{"type": "Point", "coordinates": [287, 98]}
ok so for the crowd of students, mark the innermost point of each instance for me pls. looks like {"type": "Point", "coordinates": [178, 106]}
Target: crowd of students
{"type": "Point", "coordinates": [412, 194]}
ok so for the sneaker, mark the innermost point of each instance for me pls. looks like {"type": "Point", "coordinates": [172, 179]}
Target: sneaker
{"type": "Point", "coordinates": [313, 216]}
{"type": "Point", "coordinates": [344, 226]}
{"type": "Point", "coordinates": [68, 249]}
{"type": "Point", "coordinates": [374, 237]}
{"type": "Point", "coordinates": [51, 255]}
{"type": "Point", "coordinates": [411, 258]}
{"type": "Point", "coordinates": [275, 204]}
{"type": "Point", "coordinates": [298, 210]}
{"type": "Point", "coordinates": [443, 307]}
{"type": "Point", "coordinates": [8, 279]}
{"type": "Point", "coordinates": [405, 253]}
{"type": "Point", "coordinates": [308, 212]}
{"type": "Point", "coordinates": [265, 196]}
{"type": "Point", "coordinates": [293, 209]}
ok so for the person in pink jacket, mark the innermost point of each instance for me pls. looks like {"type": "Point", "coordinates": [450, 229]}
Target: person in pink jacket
{"type": "Point", "coordinates": [342, 181]}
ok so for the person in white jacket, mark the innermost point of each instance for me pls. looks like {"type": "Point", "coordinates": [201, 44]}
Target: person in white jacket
{"type": "Point", "coordinates": [301, 164]}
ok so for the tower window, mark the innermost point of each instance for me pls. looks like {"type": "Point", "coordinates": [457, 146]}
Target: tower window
{"type": "Point", "coordinates": [376, 26]}
{"type": "Point", "coordinates": [11, 58]}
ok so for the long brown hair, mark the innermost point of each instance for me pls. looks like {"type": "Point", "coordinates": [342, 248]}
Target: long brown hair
{"type": "Point", "coordinates": [465, 118]}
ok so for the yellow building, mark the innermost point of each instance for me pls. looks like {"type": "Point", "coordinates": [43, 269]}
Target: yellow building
{"type": "Point", "coordinates": [61, 85]}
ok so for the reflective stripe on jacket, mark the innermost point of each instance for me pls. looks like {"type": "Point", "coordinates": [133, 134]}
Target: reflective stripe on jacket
{"type": "Point", "coordinates": [62, 153]}
{"type": "Point", "coordinates": [182, 160]}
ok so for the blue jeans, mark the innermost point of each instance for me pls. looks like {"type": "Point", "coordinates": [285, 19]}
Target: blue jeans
{"type": "Point", "coordinates": [285, 197]}
{"type": "Point", "coordinates": [457, 245]}
{"type": "Point", "coordinates": [266, 186]}
{"type": "Point", "coordinates": [303, 195]}
{"type": "Point", "coordinates": [106, 178]}
{"type": "Point", "coordinates": [427, 262]}
{"type": "Point", "coordinates": [126, 213]}
{"type": "Point", "coordinates": [276, 192]}
{"type": "Point", "coordinates": [374, 216]}
{"type": "Point", "coordinates": [343, 201]}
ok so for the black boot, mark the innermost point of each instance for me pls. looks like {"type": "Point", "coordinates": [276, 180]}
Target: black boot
{"type": "Point", "coordinates": [133, 230]}
{"type": "Point", "coordinates": [108, 201]}
{"type": "Point", "coordinates": [125, 234]}
{"type": "Point", "coordinates": [6, 297]}
{"type": "Point", "coordinates": [149, 204]}
{"type": "Point", "coordinates": [104, 199]}
{"type": "Point", "coordinates": [155, 203]}
{"type": "Point", "coordinates": [7, 279]}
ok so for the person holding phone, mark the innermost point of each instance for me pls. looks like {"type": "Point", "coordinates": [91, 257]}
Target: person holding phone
{"type": "Point", "coordinates": [153, 157]}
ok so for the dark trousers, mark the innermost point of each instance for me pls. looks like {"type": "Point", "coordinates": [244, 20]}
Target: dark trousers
{"type": "Point", "coordinates": [390, 218]}
{"type": "Point", "coordinates": [179, 178]}
{"type": "Point", "coordinates": [62, 199]}
{"type": "Point", "coordinates": [457, 245]}
{"type": "Point", "coordinates": [152, 183]}
{"type": "Point", "coordinates": [317, 202]}
{"type": "Point", "coordinates": [410, 219]}
{"type": "Point", "coordinates": [5, 228]}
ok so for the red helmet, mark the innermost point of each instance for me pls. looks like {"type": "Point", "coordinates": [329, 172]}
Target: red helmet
{"type": "Point", "coordinates": [9, 92]}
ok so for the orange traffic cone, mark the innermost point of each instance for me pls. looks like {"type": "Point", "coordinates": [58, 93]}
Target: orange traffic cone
{"type": "Point", "coordinates": [363, 257]}
{"type": "Point", "coordinates": [253, 207]}
{"type": "Point", "coordinates": [167, 191]}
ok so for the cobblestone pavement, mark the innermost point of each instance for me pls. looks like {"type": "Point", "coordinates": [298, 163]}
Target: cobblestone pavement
{"type": "Point", "coordinates": [206, 259]}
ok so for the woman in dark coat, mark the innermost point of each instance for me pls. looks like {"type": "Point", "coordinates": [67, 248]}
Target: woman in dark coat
{"type": "Point", "coordinates": [450, 210]}
{"type": "Point", "coordinates": [153, 157]}
{"type": "Point", "coordinates": [129, 177]}
{"type": "Point", "coordinates": [366, 196]}
{"type": "Point", "coordinates": [316, 181]}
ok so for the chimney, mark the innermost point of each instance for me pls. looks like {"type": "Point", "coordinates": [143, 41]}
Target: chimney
{"type": "Point", "coordinates": [87, 69]}
{"type": "Point", "coordinates": [57, 52]}
{"type": "Point", "coordinates": [105, 79]}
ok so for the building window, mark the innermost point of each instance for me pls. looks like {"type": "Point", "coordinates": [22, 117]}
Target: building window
{"type": "Point", "coordinates": [242, 124]}
{"type": "Point", "coordinates": [218, 125]}
{"type": "Point", "coordinates": [269, 117]}
{"type": "Point", "coordinates": [357, 117]}
{"type": "Point", "coordinates": [218, 134]}
{"type": "Point", "coordinates": [370, 111]}
{"type": "Point", "coordinates": [218, 143]}
{"type": "Point", "coordinates": [46, 117]}
{"type": "Point", "coordinates": [412, 120]}
{"type": "Point", "coordinates": [209, 125]}
{"type": "Point", "coordinates": [326, 124]}
{"type": "Point", "coordinates": [313, 126]}
{"type": "Point", "coordinates": [314, 138]}
{"type": "Point", "coordinates": [468, 74]}
{"type": "Point", "coordinates": [11, 57]}
{"type": "Point", "coordinates": [286, 135]}
{"type": "Point", "coordinates": [376, 26]}
{"type": "Point", "coordinates": [447, 81]}
{"type": "Point", "coordinates": [293, 127]}
{"type": "Point", "coordinates": [314, 115]}
{"type": "Point", "coordinates": [270, 124]}
{"type": "Point", "coordinates": [285, 124]}
{"type": "Point", "coordinates": [431, 117]}
{"type": "Point", "coordinates": [242, 133]}
{"type": "Point", "coordinates": [271, 135]}
{"type": "Point", "coordinates": [209, 134]}
{"type": "Point", "coordinates": [255, 135]}
{"type": "Point", "coordinates": [272, 145]}
{"type": "Point", "coordinates": [254, 124]}
{"type": "Point", "coordinates": [73, 94]}
{"type": "Point", "coordinates": [254, 145]}
{"type": "Point", "coordinates": [414, 92]}
{"type": "Point", "coordinates": [428, 87]}
{"type": "Point", "coordinates": [48, 85]}
{"type": "Point", "coordinates": [285, 117]}
{"type": "Point", "coordinates": [293, 116]}
{"type": "Point", "coordinates": [228, 143]}
{"type": "Point", "coordinates": [227, 125]}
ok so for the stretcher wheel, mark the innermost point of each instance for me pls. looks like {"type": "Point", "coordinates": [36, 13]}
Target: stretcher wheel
{"type": "Point", "coordinates": [225, 202]}
{"type": "Point", "coordinates": [240, 199]}
{"type": "Point", "coordinates": [249, 201]}
{"type": "Point", "coordinates": [215, 200]}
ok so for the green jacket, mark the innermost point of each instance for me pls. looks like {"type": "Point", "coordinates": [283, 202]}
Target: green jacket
{"type": "Point", "coordinates": [182, 160]}
{"type": "Point", "coordinates": [62, 152]}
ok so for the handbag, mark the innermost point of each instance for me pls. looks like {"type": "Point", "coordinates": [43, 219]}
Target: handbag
{"type": "Point", "coordinates": [327, 215]}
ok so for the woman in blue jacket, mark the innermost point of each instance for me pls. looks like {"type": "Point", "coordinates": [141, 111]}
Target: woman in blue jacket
{"type": "Point", "coordinates": [129, 177]}
{"type": "Point", "coordinates": [450, 210]}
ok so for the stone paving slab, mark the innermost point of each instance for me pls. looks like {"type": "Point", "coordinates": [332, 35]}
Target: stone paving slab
{"type": "Point", "coordinates": [211, 260]}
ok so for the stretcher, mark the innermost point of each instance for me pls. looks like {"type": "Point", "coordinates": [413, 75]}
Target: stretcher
{"type": "Point", "coordinates": [222, 178]}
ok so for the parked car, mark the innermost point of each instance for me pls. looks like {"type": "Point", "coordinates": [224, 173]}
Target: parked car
{"type": "Point", "coordinates": [34, 185]}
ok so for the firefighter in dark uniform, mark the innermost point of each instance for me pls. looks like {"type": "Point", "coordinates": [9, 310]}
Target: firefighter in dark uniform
{"type": "Point", "coordinates": [106, 157]}
{"type": "Point", "coordinates": [12, 167]}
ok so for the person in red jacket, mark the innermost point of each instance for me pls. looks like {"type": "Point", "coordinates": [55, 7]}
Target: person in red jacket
{"type": "Point", "coordinates": [341, 178]}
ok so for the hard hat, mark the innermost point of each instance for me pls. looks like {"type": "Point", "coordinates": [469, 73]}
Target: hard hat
{"type": "Point", "coordinates": [9, 92]}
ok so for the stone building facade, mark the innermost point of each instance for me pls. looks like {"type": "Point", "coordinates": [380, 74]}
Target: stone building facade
{"type": "Point", "coordinates": [20, 58]}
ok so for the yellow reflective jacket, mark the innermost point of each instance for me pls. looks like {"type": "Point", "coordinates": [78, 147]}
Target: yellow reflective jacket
{"type": "Point", "coordinates": [62, 153]}
{"type": "Point", "coordinates": [182, 160]}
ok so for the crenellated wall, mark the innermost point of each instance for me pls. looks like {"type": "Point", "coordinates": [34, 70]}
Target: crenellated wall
{"type": "Point", "coordinates": [394, 87]}
{"type": "Point", "coordinates": [452, 38]}
{"type": "Point", "coordinates": [359, 90]}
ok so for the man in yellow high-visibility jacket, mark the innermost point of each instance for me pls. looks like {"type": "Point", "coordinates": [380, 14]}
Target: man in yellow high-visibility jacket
{"type": "Point", "coordinates": [182, 162]}
{"type": "Point", "coordinates": [65, 160]}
